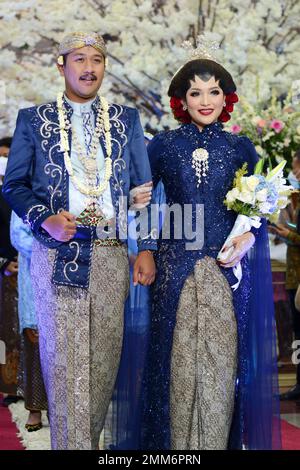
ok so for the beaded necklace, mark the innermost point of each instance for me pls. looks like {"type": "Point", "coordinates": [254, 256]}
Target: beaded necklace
{"type": "Point", "coordinates": [94, 188]}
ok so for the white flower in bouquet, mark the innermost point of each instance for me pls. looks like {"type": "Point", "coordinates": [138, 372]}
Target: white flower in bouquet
{"type": "Point", "coordinates": [252, 182]}
{"type": "Point", "coordinates": [281, 203]}
{"type": "Point", "coordinates": [262, 195]}
{"type": "Point", "coordinates": [232, 195]}
{"type": "Point", "coordinates": [246, 196]}
{"type": "Point", "coordinates": [264, 208]}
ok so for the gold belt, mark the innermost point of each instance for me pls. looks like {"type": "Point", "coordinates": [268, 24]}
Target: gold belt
{"type": "Point", "coordinates": [90, 218]}
{"type": "Point", "coordinates": [107, 242]}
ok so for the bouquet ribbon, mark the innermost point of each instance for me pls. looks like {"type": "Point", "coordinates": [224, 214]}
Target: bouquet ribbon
{"type": "Point", "coordinates": [242, 225]}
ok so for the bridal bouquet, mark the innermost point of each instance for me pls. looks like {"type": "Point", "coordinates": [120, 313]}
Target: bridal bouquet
{"type": "Point", "coordinates": [254, 197]}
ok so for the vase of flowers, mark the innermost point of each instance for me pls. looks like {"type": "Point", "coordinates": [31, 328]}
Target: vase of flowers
{"type": "Point", "coordinates": [273, 127]}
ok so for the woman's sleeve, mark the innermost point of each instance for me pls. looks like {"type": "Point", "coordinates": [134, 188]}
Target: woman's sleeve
{"type": "Point", "coordinates": [248, 153]}
{"type": "Point", "coordinates": [154, 150]}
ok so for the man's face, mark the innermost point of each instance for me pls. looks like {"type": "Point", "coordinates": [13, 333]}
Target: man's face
{"type": "Point", "coordinates": [83, 73]}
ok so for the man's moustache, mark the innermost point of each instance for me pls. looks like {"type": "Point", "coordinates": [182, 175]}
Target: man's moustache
{"type": "Point", "coordinates": [88, 77]}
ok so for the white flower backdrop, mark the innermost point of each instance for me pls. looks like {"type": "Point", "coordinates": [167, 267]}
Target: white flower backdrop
{"type": "Point", "coordinates": [259, 40]}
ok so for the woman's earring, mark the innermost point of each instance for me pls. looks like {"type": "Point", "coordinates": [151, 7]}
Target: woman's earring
{"type": "Point", "coordinates": [184, 107]}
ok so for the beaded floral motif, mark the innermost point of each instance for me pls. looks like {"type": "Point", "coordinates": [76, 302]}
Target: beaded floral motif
{"type": "Point", "coordinates": [200, 163]}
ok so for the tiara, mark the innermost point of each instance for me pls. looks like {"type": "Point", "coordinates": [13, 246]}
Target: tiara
{"type": "Point", "coordinates": [205, 48]}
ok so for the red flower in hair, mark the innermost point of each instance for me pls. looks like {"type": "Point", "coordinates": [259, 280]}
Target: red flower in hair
{"type": "Point", "coordinates": [224, 116]}
{"type": "Point", "coordinates": [178, 111]}
{"type": "Point", "coordinates": [230, 100]}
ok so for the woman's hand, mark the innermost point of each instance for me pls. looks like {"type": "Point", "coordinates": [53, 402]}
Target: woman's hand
{"type": "Point", "coordinates": [144, 269]}
{"type": "Point", "coordinates": [237, 249]}
{"type": "Point", "coordinates": [140, 196]}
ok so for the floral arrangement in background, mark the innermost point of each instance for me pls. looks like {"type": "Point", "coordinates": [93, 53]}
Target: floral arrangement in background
{"type": "Point", "coordinates": [273, 126]}
{"type": "Point", "coordinates": [144, 40]}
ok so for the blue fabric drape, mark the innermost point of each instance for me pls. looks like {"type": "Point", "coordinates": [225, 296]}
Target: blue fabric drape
{"type": "Point", "coordinates": [122, 429]}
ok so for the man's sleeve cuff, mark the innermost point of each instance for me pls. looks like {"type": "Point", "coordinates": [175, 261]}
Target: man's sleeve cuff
{"type": "Point", "coordinates": [147, 245]}
{"type": "Point", "coordinates": [36, 215]}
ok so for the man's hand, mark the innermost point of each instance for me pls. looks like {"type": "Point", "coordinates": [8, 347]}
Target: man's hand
{"type": "Point", "coordinates": [62, 226]}
{"type": "Point", "coordinates": [144, 269]}
{"type": "Point", "coordinates": [11, 268]}
{"type": "Point", "coordinates": [239, 247]}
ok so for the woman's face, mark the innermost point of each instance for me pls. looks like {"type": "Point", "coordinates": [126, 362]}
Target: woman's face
{"type": "Point", "coordinates": [204, 101]}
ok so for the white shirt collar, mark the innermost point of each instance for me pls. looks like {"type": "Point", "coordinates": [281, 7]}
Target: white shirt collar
{"type": "Point", "coordinates": [79, 108]}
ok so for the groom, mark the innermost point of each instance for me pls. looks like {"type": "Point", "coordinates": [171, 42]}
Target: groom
{"type": "Point", "coordinates": [71, 167]}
